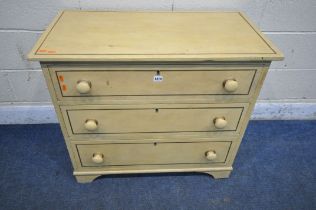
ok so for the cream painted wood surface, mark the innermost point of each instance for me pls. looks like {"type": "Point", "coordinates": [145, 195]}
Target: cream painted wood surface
{"type": "Point", "coordinates": [52, 93]}
{"type": "Point", "coordinates": [215, 169]}
{"type": "Point", "coordinates": [195, 82]}
{"type": "Point", "coordinates": [215, 172]}
{"type": "Point", "coordinates": [153, 115]}
{"type": "Point", "coordinates": [117, 36]}
{"type": "Point", "coordinates": [177, 118]}
{"type": "Point", "coordinates": [152, 154]}
{"type": "Point", "coordinates": [184, 81]}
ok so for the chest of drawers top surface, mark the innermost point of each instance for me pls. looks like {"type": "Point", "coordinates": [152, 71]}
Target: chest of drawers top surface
{"type": "Point", "coordinates": [153, 36]}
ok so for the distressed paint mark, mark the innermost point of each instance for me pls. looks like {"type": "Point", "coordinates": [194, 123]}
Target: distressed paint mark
{"type": "Point", "coordinates": [46, 51]}
{"type": "Point", "coordinates": [61, 78]}
{"type": "Point", "coordinates": [64, 87]}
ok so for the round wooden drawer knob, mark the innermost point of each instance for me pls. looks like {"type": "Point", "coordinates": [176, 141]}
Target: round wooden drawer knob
{"type": "Point", "coordinates": [230, 85]}
{"type": "Point", "coordinates": [83, 86]}
{"type": "Point", "coordinates": [91, 125]}
{"type": "Point", "coordinates": [210, 155]}
{"type": "Point", "coordinates": [220, 122]}
{"type": "Point", "coordinates": [97, 158]}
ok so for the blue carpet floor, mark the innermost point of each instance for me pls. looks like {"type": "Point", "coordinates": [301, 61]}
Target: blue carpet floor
{"type": "Point", "coordinates": [274, 169]}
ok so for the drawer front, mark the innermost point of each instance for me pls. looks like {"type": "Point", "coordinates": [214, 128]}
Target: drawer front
{"type": "Point", "coordinates": [157, 119]}
{"type": "Point", "coordinates": [109, 83]}
{"type": "Point", "coordinates": [122, 154]}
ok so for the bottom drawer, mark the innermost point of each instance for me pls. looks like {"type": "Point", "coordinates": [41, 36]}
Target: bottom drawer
{"type": "Point", "coordinates": [161, 153]}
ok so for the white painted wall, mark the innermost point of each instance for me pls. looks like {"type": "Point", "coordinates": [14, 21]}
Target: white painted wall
{"type": "Point", "coordinates": [288, 93]}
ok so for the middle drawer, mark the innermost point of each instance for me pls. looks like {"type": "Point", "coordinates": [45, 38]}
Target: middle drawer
{"type": "Point", "coordinates": [85, 120]}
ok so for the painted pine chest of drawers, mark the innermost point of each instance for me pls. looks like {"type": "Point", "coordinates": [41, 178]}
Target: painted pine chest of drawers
{"type": "Point", "coordinates": [147, 92]}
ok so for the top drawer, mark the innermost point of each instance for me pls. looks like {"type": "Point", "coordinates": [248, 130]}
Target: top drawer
{"type": "Point", "coordinates": [82, 84]}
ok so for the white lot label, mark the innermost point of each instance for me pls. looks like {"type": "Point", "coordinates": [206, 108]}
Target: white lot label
{"type": "Point", "coordinates": [158, 78]}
